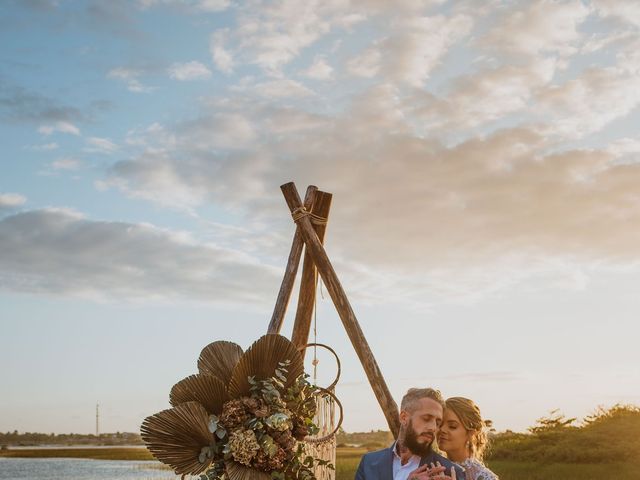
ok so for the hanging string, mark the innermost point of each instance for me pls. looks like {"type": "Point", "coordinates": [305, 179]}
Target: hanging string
{"type": "Point", "coordinates": [315, 328]}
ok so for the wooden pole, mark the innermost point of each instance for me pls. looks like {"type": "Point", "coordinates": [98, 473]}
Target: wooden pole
{"type": "Point", "coordinates": [308, 283]}
{"type": "Point", "coordinates": [277, 318]}
{"type": "Point", "coordinates": [341, 302]}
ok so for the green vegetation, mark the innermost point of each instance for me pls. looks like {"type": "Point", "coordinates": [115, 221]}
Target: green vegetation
{"type": "Point", "coordinates": [373, 440]}
{"type": "Point", "coordinates": [604, 445]}
{"type": "Point", "coordinates": [564, 471]}
{"type": "Point", "coordinates": [347, 460]}
{"type": "Point", "coordinates": [32, 439]}
{"type": "Point", "coordinates": [607, 436]}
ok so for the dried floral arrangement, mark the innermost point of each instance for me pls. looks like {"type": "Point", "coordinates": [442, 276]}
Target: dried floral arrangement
{"type": "Point", "coordinates": [244, 416]}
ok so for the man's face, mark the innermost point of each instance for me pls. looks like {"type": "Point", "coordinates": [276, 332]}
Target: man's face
{"type": "Point", "coordinates": [421, 426]}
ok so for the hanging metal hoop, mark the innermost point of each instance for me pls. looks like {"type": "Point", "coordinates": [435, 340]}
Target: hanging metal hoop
{"type": "Point", "coordinates": [330, 436]}
{"type": "Point", "coordinates": [335, 382]}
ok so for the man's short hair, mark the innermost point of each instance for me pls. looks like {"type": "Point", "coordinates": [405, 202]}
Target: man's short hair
{"type": "Point", "coordinates": [413, 395]}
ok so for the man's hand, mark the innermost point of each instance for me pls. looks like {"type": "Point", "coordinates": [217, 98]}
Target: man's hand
{"type": "Point", "coordinates": [433, 471]}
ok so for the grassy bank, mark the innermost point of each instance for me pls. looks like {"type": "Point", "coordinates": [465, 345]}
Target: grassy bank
{"type": "Point", "coordinates": [508, 470]}
{"type": "Point", "coordinates": [348, 459]}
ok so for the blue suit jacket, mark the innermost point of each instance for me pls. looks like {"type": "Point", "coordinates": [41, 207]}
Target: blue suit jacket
{"type": "Point", "coordinates": [379, 465]}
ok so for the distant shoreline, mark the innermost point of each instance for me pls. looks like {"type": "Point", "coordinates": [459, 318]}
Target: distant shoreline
{"type": "Point", "coordinates": [98, 452]}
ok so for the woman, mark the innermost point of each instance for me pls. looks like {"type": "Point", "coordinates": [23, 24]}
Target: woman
{"type": "Point", "coordinates": [463, 439]}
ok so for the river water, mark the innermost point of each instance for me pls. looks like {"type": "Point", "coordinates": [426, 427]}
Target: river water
{"type": "Point", "coordinates": [80, 469]}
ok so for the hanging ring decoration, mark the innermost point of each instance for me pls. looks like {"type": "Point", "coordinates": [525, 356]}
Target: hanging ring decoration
{"type": "Point", "coordinates": [335, 381]}
{"type": "Point", "coordinates": [328, 437]}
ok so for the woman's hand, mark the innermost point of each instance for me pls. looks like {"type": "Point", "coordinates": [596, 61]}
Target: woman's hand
{"type": "Point", "coordinates": [432, 471]}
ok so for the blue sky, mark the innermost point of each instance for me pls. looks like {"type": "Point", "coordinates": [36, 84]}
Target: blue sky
{"type": "Point", "coordinates": [483, 158]}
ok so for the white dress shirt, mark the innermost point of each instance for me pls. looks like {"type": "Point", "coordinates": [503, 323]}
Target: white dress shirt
{"type": "Point", "coordinates": [401, 472]}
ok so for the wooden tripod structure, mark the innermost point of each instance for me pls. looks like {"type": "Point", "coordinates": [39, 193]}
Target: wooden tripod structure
{"type": "Point", "coordinates": [311, 218]}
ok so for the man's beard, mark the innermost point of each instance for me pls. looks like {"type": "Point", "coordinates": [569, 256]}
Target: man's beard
{"type": "Point", "coordinates": [411, 442]}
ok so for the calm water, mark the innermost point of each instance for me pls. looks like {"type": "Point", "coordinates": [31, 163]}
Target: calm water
{"type": "Point", "coordinates": [80, 469]}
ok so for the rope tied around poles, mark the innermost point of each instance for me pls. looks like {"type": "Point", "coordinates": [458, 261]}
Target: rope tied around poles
{"type": "Point", "coordinates": [301, 212]}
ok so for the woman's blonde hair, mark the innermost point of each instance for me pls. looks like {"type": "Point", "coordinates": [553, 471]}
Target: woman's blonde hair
{"type": "Point", "coordinates": [469, 414]}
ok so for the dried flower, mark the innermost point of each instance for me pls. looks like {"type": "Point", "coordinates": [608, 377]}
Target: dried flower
{"type": "Point", "coordinates": [233, 415]}
{"type": "Point", "coordinates": [300, 431]}
{"type": "Point", "coordinates": [243, 446]}
{"type": "Point", "coordinates": [256, 406]}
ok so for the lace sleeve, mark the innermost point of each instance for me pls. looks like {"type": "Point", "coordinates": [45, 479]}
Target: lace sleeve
{"type": "Point", "coordinates": [474, 470]}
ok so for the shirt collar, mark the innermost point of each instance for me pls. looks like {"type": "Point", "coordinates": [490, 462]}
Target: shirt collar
{"type": "Point", "coordinates": [394, 448]}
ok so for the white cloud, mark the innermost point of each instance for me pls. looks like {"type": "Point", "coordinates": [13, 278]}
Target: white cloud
{"type": "Point", "coordinates": [11, 200]}
{"type": "Point", "coordinates": [281, 88]}
{"type": "Point", "coordinates": [62, 127]}
{"type": "Point", "coordinates": [45, 147]}
{"type": "Point", "coordinates": [319, 69]}
{"type": "Point", "coordinates": [541, 26]}
{"type": "Point", "coordinates": [366, 64]}
{"type": "Point", "coordinates": [130, 77]}
{"type": "Point", "coordinates": [626, 11]}
{"type": "Point", "coordinates": [59, 252]}
{"type": "Point", "coordinates": [418, 45]}
{"type": "Point", "coordinates": [222, 58]}
{"type": "Point", "coordinates": [100, 145]}
{"type": "Point", "coordinates": [192, 6]}
{"type": "Point", "coordinates": [189, 71]}
{"type": "Point", "coordinates": [272, 34]}
{"type": "Point", "coordinates": [414, 47]}
{"type": "Point", "coordinates": [487, 198]}
{"type": "Point", "coordinates": [213, 5]}
{"type": "Point", "coordinates": [589, 102]}
{"type": "Point", "coordinates": [484, 96]}
{"type": "Point", "coordinates": [66, 164]}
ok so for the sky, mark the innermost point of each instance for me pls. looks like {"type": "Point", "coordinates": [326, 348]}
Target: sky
{"type": "Point", "coordinates": [484, 159]}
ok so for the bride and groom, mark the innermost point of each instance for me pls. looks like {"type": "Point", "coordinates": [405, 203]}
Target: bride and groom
{"type": "Point", "coordinates": [424, 417]}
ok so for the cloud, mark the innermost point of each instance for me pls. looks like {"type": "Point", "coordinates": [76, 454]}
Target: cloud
{"type": "Point", "coordinates": [319, 69]}
{"type": "Point", "coordinates": [538, 27]}
{"type": "Point", "coordinates": [281, 88]}
{"type": "Point", "coordinates": [45, 147]}
{"type": "Point", "coordinates": [189, 71]}
{"type": "Point", "coordinates": [62, 127]}
{"type": "Point", "coordinates": [221, 56]}
{"type": "Point", "coordinates": [366, 64]}
{"type": "Point", "coordinates": [484, 96]}
{"type": "Point", "coordinates": [413, 48]}
{"type": "Point", "coordinates": [130, 77]}
{"type": "Point", "coordinates": [502, 196]}
{"type": "Point", "coordinates": [190, 6]}
{"type": "Point", "coordinates": [625, 11]}
{"type": "Point", "coordinates": [272, 34]}
{"type": "Point", "coordinates": [60, 252]}
{"type": "Point", "coordinates": [418, 45]}
{"type": "Point", "coordinates": [18, 104]}
{"type": "Point", "coordinates": [66, 164]}
{"type": "Point", "coordinates": [588, 103]}
{"type": "Point", "coordinates": [9, 201]}
{"type": "Point", "coordinates": [458, 145]}
{"type": "Point", "coordinates": [100, 145]}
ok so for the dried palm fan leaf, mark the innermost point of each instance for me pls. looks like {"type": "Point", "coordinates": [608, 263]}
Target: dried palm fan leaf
{"type": "Point", "coordinates": [177, 437]}
{"type": "Point", "coordinates": [261, 360]}
{"type": "Point", "coordinates": [207, 390]}
{"type": "Point", "coordinates": [237, 471]}
{"type": "Point", "coordinates": [219, 359]}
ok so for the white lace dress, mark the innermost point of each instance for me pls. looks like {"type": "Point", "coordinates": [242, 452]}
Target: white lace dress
{"type": "Point", "coordinates": [475, 470]}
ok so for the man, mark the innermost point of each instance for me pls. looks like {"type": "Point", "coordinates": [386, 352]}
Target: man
{"type": "Point", "coordinates": [412, 457]}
